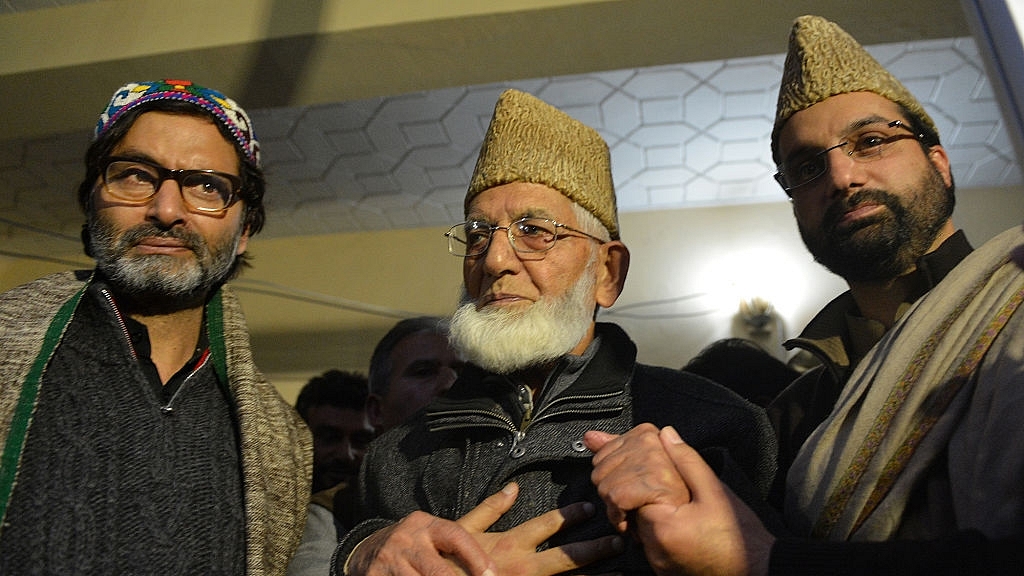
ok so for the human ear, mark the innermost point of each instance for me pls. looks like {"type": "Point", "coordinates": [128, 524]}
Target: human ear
{"type": "Point", "coordinates": [937, 156]}
{"type": "Point", "coordinates": [613, 261]}
{"type": "Point", "coordinates": [374, 412]}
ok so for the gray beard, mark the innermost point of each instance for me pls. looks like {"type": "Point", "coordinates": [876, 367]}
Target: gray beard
{"type": "Point", "coordinates": [165, 280]}
{"type": "Point", "coordinates": [508, 341]}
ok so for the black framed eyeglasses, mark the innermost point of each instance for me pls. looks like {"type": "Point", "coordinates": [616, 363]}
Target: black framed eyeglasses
{"type": "Point", "coordinates": [136, 181]}
{"type": "Point", "coordinates": [527, 236]}
{"type": "Point", "coordinates": [865, 144]}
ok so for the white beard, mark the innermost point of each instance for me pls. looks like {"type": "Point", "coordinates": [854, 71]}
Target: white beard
{"type": "Point", "coordinates": [507, 341]}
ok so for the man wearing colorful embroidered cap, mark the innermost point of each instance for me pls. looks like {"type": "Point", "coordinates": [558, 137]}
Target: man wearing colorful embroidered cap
{"type": "Point", "coordinates": [906, 446]}
{"type": "Point", "coordinates": [138, 436]}
{"type": "Point", "coordinates": [541, 254]}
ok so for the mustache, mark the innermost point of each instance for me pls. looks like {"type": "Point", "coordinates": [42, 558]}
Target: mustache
{"type": "Point", "coordinates": [838, 210]}
{"type": "Point", "coordinates": [133, 236]}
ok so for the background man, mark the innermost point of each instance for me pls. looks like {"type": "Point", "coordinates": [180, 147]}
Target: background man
{"type": "Point", "coordinates": [542, 253]}
{"type": "Point", "coordinates": [333, 404]}
{"type": "Point", "coordinates": [916, 444]}
{"type": "Point", "coordinates": [411, 364]}
{"type": "Point", "coordinates": [138, 436]}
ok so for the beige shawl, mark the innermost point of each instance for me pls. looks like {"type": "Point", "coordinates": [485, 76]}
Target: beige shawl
{"type": "Point", "coordinates": [904, 402]}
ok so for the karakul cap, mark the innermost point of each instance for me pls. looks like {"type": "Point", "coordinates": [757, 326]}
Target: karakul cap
{"type": "Point", "coordinates": [529, 140]}
{"type": "Point", "coordinates": [823, 61]}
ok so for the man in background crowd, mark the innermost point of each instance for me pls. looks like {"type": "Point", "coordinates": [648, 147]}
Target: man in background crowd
{"type": "Point", "coordinates": [410, 365]}
{"type": "Point", "coordinates": [333, 404]}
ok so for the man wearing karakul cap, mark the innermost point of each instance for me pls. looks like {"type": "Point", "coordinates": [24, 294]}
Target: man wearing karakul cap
{"type": "Point", "coordinates": [906, 447]}
{"type": "Point", "coordinates": [138, 436]}
{"type": "Point", "coordinates": [541, 253]}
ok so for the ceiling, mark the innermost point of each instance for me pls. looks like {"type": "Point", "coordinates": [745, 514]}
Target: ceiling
{"type": "Point", "coordinates": [370, 113]}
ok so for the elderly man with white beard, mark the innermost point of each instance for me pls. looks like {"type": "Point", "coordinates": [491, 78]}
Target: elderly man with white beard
{"type": "Point", "coordinates": [493, 477]}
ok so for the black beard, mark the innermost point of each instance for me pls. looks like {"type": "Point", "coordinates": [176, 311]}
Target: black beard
{"type": "Point", "coordinates": [898, 237]}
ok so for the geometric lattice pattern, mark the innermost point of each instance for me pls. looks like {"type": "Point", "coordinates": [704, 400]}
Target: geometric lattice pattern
{"type": "Point", "coordinates": [684, 135]}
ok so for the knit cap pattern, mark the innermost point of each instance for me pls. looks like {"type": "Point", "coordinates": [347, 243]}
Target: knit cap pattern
{"type": "Point", "coordinates": [824, 60]}
{"type": "Point", "coordinates": [529, 140]}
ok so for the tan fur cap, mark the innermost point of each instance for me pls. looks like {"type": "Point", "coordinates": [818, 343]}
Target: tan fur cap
{"type": "Point", "coordinates": [823, 60]}
{"type": "Point", "coordinates": [531, 141]}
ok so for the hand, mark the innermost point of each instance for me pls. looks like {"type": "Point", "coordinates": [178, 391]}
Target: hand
{"type": "Point", "coordinates": [420, 544]}
{"type": "Point", "coordinates": [632, 471]}
{"type": "Point", "coordinates": [425, 544]}
{"type": "Point", "coordinates": [709, 531]}
{"type": "Point", "coordinates": [515, 551]}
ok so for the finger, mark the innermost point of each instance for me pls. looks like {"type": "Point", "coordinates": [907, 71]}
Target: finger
{"type": "Point", "coordinates": [480, 518]}
{"type": "Point", "coordinates": [457, 544]}
{"type": "Point", "coordinates": [594, 440]}
{"type": "Point", "coordinates": [576, 555]}
{"type": "Point", "coordinates": [539, 529]}
{"type": "Point", "coordinates": [694, 471]}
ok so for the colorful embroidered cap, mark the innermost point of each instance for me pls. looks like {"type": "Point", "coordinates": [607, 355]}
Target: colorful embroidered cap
{"type": "Point", "coordinates": [224, 109]}
{"type": "Point", "coordinates": [824, 60]}
{"type": "Point", "coordinates": [529, 140]}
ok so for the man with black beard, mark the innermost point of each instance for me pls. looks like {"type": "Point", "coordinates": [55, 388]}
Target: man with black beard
{"type": "Point", "coordinates": [493, 477]}
{"type": "Point", "coordinates": [872, 194]}
{"type": "Point", "coordinates": [138, 435]}
{"type": "Point", "coordinates": [903, 453]}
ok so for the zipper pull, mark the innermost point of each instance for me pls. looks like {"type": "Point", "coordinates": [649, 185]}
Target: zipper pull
{"type": "Point", "coordinates": [526, 401]}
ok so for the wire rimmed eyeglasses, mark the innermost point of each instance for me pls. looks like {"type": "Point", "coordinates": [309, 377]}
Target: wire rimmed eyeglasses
{"type": "Point", "coordinates": [137, 181]}
{"type": "Point", "coordinates": [865, 144]}
{"type": "Point", "coordinates": [527, 236]}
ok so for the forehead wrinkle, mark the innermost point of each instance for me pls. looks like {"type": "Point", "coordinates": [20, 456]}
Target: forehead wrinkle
{"type": "Point", "coordinates": [477, 215]}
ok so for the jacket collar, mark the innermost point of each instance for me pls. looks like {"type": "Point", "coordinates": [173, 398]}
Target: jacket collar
{"type": "Point", "coordinates": [607, 370]}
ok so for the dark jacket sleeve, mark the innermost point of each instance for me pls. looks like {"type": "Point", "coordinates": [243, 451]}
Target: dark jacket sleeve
{"type": "Point", "coordinates": [967, 552]}
{"type": "Point", "coordinates": [732, 435]}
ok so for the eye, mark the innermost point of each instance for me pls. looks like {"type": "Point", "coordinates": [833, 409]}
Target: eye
{"type": "Point", "coordinates": [477, 233]}
{"type": "Point", "coordinates": [868, 142]}
{"type": "Point", "coordinates": [208, 185]}
{"type": "Point", "coordinates": [807, 169]}
{"type": "Point", "coordinates": [534, 228]}
{"type": "Point", "coordinates": [130, 173]}
{"type": "Point", "coordinates": [422, 369]}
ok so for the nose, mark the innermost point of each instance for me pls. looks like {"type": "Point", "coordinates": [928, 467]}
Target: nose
{"type": "Point", "coordinates": [500, 257]}
{"type": "Point", "coordinates": [167, 207]}
{"type": "Point", "coordinates": [844, 174]}
{"type": "Point", "coordinates": [445, 379]}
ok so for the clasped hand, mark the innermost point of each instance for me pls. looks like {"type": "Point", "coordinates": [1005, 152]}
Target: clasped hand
{"type": "Point", "coordinates": [661, 491]}
{"type": "Point", "coordinates": [424, 544]}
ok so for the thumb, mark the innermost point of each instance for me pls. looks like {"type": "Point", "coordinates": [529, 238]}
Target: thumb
{"type": "Point", "coordinates": [480, 518]}
{"type": "Point", "coordinates": [695, 472]}
{"type": "Point", "coordinates": [594, 440]}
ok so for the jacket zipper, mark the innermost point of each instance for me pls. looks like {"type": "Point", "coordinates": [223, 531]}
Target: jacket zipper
{"type": "Point", "coordinates": [120, 320]}
{"type": "Point", "coordinates": [168, 408]}
{"type": "Point", "coordinates": [526, 399]}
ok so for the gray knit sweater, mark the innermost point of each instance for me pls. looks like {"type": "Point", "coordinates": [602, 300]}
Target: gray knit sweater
{"type": "Point", "coordinates": [274, 446]}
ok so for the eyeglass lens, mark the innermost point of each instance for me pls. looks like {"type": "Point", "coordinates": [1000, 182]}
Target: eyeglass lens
{"type": "Point", "coordinates": [864, 145]}
{"type": "Point", "coordinates": [527, 235]}
{"type": "Point", "coordinates": [139, 181]}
